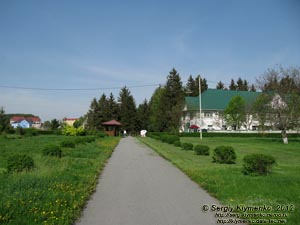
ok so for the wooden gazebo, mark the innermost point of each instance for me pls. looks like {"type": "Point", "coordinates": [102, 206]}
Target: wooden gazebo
{"type": "Point", "coordinates": [111, 127]}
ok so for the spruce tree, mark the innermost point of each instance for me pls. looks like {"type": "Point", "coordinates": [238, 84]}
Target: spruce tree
{"type": "Point", "coordinates": [232, 85]}
{"type": "Point", "coordinates": [172, 101]}
{"type": "Point", "coordinates": [127, 110]}
{"type": "Point", "coordinates": [220, 86]}
{"type": "Point", "coordinates": [143, 116]}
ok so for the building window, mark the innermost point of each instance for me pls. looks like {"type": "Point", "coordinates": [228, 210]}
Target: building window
{"type": "Point", "coordinates": [208, 114]}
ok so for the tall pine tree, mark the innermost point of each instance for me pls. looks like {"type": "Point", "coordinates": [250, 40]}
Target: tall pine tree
{"type": "Point", "coordinates": [127, 110]}
{"type": "Point", "coordinates": [172, 101]}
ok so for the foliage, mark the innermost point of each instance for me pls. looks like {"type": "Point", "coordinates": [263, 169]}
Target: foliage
{"type": "Point", "coordinates": [53, 150]}
{"type": "Point", "coordinates": [30, 132]}
{"type": "Point", "coordinates": [261, 108]}
{"type": "Point", "coordinates": [19, 163]}
{"type": "Point", "coordinates": [67, 144]}
{"type": "Point", "coordinates": [258, 164]}
{"type": "Point", "coordinates": [56, 191]}
{"type": "Point", "coordinates": [97, 133]}
{"type": "Point", "coordinates": [4, 123]}
{"type": "Point", "coordinates": [79, 122]}
{"type": "Point", "coordinates": [238, 134]}
{"type": "Point", "coordinates": [171, 102]}
{"type": "Point", "coordinates": [143, 112]}
{"type": "Point", "coordinates": [127, 110]}
{"type": "Point", "coordinates": [169, 138]}
{"type": "Point", "coordinates": [52, 125]}
{"type": "Point", "coordinates": [283, 86]}
{"type": "Point", "coordinates": [201, 150]}
{"type": "Point", "coordinates": [187, 146]}
{"type": "Point", "coordinates": [83, 140]}
{"type": "Point", "coordinates": [241, 85]}
{"type": "Point", "coordinates": [192, 86]}
{"type": "Point", "coordinates": [72, 131]}
{"type": "Point", "coordinates": [177, 143]}
{"type": "Point", "coordinates": [20, 131]}
{"type": "Point", "coordinates": [224, 154]}
{"type": "Point", "coordinates": [102, 110]}
{"type": "Point", "coordinates": [235, 113]}
{"type": "Point", "coordinates": [156, 110]}
{"type": "Point", "coordinates": [220, 85]}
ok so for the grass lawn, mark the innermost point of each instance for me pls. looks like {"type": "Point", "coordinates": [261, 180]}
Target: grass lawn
{"type": "Point", "coordinates": [229, 185]}
{"type": "Point", "coordinates": [57, 189]}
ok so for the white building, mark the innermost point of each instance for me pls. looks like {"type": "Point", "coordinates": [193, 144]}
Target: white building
{"type": "Point", "coordinates": [213, 104]}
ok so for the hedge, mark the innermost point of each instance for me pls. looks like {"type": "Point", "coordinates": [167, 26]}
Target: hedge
{"type": "Point", "coordinates": [233, 134]}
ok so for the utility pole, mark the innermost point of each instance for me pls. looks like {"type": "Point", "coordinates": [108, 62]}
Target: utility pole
{"type": "Point", "coordinates": [200, 107]}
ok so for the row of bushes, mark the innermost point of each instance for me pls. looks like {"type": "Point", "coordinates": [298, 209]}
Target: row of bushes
{"type": "Point", "coordinates": [236, 134]}
{"type": "Point", "coordinates": [68, 131]}
{"type": "Point", "coordinates": [254, 164]}
{"type": "Point", "coordinates": [23, 162]}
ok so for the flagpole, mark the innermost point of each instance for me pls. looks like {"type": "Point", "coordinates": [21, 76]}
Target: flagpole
{"type": "Point", "coordinates": [200, 107]}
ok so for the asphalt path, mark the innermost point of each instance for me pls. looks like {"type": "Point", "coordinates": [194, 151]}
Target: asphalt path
{"type": "Point", "coordinates": [138, 187]}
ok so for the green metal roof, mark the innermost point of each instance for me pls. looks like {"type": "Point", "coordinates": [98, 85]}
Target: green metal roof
{"type": "Point", "coordinates": [215, 99]}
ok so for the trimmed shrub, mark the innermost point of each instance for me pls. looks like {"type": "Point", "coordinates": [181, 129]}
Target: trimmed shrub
{"type": "Point", "coordinates": [67, 144]}
{"type": "Point", "coordinates": [258, 164]}
{"type": "Point", "coordinates": [224, 154]}
{"type": "Point", "coordinates": [169, 138]}
{"type": "Point", "coordinates": [177, 143]}
{"type": "Point", "coordinates": [187, 146]}
{"type": "Point", "coordinates": [201, 150]}
{"type": "Point", "coordinates": [53, 150]}
{"type": "Point", "coordinates": [18, 163]}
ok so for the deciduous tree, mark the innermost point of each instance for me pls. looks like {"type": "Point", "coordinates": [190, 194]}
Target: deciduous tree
{"type": "Point", "coordinates": [283, 85]}
{"type": "Point", "coordinates": [235, 114]}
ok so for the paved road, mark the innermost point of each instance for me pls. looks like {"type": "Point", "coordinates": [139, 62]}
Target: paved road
{"type": "Point", "coordinates": [138, 187]}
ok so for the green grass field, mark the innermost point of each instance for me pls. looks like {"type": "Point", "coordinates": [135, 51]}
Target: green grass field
{"type": "Point", "coordinates": [57, 189]}
{"type": "Point", "coordinates": [229, 185]}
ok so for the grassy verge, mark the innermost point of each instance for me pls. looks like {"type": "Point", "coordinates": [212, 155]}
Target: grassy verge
{"type": "Point", "coordinates": [58, 188]}
{"type": "Point", "coordinates": [229, 185]}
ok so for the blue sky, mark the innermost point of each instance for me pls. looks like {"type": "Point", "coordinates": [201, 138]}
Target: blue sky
{"type": "Point", "coordinates": [108, 44]}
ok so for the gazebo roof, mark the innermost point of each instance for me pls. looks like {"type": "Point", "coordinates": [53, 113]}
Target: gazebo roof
{"type": "Point", "coordinates": [112, 123]}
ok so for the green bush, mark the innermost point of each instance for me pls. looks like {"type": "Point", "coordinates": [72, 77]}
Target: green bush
{"type": "Point", "coordinates": [258, 164]}
{"type": "Point", "coordinates": [224, 154]}
{"type": "Point", "coordinates": [83, 140]}
{"type": "Point", "coordinates": [72, 131]}
{"type": "Point", "coordinates": [187, 146]}
{"type": "Point", "coordinates": [177, 143]}
{"type": "Point", "coordinates": [18, 163]}
{"type": "Point", "coordinates": [20, 131]}
{"type": "Point", "coordinates": [30, 132]}
{"type": "Point", "coordinates": [67, 144]}
{"type": "Point", "coordinates": [53, 150]}
{"type": "Point", "coordinates": [201, 150]}
{"type": "Point", "coordinates": [168, 138]}
{"type": "Point", "coordinates": [239, 134]}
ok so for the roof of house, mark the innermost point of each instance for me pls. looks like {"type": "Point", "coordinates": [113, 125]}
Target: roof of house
{"type": "Point", "coordinates": [216, 99]}
{"type": "Point", "coordinates": [112, 123]}
{"type": "Point", "coordinates": [17, 118]}
{"type": "Point", "coordinates": [34, 119]}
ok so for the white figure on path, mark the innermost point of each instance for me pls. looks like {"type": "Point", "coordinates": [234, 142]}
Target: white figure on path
{"type": "Point", "coordinates": [143, 133]}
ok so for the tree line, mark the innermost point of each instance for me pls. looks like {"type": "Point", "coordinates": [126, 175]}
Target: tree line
{"type": "Point", "coordinates": [278, 103]}
{"type": "Point", "coordinates": [161, 113]}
